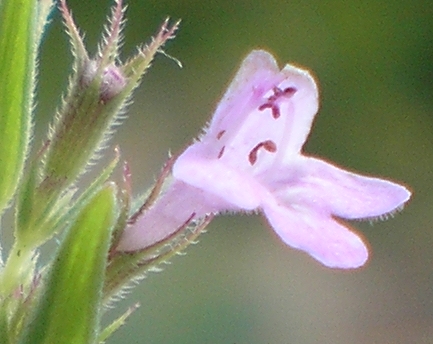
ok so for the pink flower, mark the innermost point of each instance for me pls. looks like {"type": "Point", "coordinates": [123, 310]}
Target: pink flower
{"type": "Point", "coordinates": [249, 158]}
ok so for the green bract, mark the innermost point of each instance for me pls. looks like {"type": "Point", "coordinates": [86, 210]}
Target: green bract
{"type": "Point", "coordinates": [69, 308]}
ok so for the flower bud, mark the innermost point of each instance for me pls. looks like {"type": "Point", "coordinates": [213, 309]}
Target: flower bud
{"type": "Point", "coordinates": [113, 82]}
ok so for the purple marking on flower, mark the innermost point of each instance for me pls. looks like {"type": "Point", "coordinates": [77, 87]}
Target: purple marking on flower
{"type": "Point", "coordinates": [220, 134]}
{"type": "Point", "coordinates": [220, 154]}
{"type": "Point", "coordinates": [248, 160]}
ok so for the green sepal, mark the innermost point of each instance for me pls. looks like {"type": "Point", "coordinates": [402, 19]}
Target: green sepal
{"type": "Point", "coordinates": [98, 92]}
{"type": "Point", "coordinates": [81, 123]}
{"type": "Point", "coordinates": [18, 46]}
{"type": "Point", "coordinates": [27, 206]}
{"type": "Point", "coordinates": [89, 192]}
{"type": "Point", "coordinates": [126, 267]}
{"type": "Point", "coordinates": [116, 324]}
{"type": "Point", "coordinates": [136, 66]}
{"type": "Point", "coordinates": [38, 220]}
{"type": "Point", "coordinates": [69, 307]}
{"type": "Point", "coordinates": [44, 9]}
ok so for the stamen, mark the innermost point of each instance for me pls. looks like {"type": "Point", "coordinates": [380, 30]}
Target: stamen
{"type": "Point", "coordinates": [277, 92]}
{"type": "Point", "coordinates": [275, 111]}
{"type": "Point", "coordinates": [289, 91]}
{"type": "Point", "coordinates": [271, 103]}
{"type": "Point", "coordinates": [268, 145]}
{"type": "Point", "coordinates": [265, 106]}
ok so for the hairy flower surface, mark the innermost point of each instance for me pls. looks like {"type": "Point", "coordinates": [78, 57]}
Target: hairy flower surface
{"type": "Point", "coordinates": [249, 158]}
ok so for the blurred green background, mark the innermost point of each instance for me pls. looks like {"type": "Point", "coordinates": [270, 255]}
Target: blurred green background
{"type": "Point", "coordinates": [374, 63]}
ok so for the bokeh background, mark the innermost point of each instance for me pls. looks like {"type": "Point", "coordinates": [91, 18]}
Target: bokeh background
{"type": "Point", "coordinates": [374, 63]}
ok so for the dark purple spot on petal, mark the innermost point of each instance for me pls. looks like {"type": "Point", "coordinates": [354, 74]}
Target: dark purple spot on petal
{"type": "Point", "coordinates": [220, 134]}
{"type": "Point", "coordinates": [220, 154]}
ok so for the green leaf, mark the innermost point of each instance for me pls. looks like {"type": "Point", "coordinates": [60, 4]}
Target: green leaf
{"type": "Point", "coordinates": [69, 308]}
{"type": "Point", "coordinates": [18, 46]}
